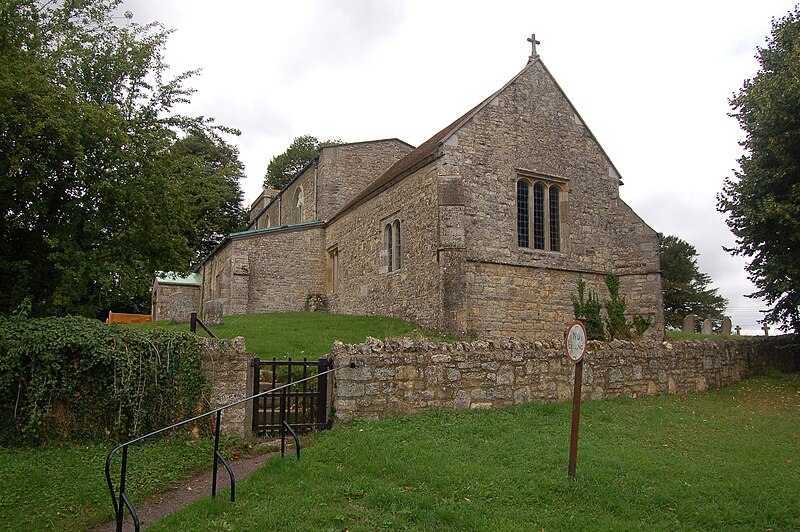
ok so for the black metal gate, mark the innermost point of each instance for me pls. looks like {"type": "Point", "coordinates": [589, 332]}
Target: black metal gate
{"type": "Point", "coordinates": [305, 405]}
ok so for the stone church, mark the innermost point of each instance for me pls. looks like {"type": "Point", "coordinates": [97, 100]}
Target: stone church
{"type": "Point", "coordinates": [485, 228]}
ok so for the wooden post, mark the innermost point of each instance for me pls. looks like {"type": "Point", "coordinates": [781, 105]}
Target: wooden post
{"type": "Point", "coordinates": [576, 419]}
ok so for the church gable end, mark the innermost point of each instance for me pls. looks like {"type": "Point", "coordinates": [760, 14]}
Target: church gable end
{"type": "Point", "coordinates": [541, 210]}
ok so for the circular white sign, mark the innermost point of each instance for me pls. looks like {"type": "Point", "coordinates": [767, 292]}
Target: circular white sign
{"type": "Point", "coordinates": [576, 341]}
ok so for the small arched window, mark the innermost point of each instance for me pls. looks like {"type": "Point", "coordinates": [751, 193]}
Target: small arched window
{"type": "Point", "coordinates": [299, 202]}
{"type": "Point", "coordinates": [397, 249]}
{"type": "Point", "coordinates": [387, 232]}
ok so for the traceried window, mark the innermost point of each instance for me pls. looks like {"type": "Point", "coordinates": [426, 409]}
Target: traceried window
{"type": "Point", "coordinates": [391, 245]}
{"type": "Point", "coordinates": [539, 213]}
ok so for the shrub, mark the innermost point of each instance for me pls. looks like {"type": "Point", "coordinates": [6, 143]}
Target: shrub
{"type": "Point", "coordinates": [616, 306]}
{"type": "Point", "coordinates": [589, 309]}
{"type": "Point", "coordinates": [73, 377]}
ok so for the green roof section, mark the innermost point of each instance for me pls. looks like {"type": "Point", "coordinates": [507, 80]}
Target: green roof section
{"type": "Point", "coordinates": [276, 228]}
{"type": "Point", "coordinates": [174, 278]}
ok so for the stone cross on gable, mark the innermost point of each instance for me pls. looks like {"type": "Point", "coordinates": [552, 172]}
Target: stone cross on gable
{"type": "Point", "coordinates": [533, 42]}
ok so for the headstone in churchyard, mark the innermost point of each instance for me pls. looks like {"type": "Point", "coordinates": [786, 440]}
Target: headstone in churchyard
{"type": "Point", "coordinates": [212, 312]}
{"type": "Point", "coordinates": [689, 324]}
{"type": "Point", "coordinates": [707, 327]}
{"type": "Point", "coordinates": [738, 330]}
{"type": "Point", "coordinates": [181, 306]}
{"type": "Point", "coordinates": [766, 329]}
{"type": "Point", "coordinates": [726, 326]}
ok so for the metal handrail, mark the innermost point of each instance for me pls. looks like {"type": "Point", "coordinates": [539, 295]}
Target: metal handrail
{"type": "Point", "coordinates": [119, 509]}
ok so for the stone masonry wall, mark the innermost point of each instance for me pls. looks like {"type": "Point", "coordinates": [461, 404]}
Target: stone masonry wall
{"type": "Point", "coordinates": [342, 172]}
{"type": "Point", "coordinates": [348, 169]}
{"type": "Point", "coordinates": [412, 292]}
{"type": "Point", "coordinates": [285, 266]}
{"type": "Point", "coordinates": [522, 300]}
{"type": "Point", "coordinates": [530, 129]}
{"type": "Point", "coordinates": [164, 296]}
{"type": "Point", "coordinates": [267, 271]}
{"type": "Point", "coordinates": [226, 366]}
{"type": "Point", "coordinates": [397, 377]}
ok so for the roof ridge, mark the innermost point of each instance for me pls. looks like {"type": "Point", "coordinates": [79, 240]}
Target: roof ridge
{"type": "Point", "coordinates": [426, 149]}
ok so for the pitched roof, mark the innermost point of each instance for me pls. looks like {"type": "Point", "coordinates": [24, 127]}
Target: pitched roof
{"type": "Point", "coordinates": [428, 149]}
{"type": "Point", "coordinates": [423, 153]}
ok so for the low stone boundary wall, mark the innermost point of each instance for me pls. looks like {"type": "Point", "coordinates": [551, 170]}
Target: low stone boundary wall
{"type": "Point", "coordinates": [405, 376]}
{"type": "Point", "coordinates": [226, 364]}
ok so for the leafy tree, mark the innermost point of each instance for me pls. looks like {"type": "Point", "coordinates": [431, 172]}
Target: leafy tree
{"type": "Point", "coordinates": [686, 288]}
{"type": "Point", "coordinates": [91, 203]}
{"type": "Point", "coordinates": [282, 168]}
{"type": "Point", "coordinates": [209, 170]}
{"type": "Point", "coordinates": [763, 200]}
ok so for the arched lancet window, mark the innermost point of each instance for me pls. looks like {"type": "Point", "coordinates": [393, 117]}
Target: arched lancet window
{"type": "Point", "coordinates": [538, 216]}
{"type": "Point", "coordinates": [555, 227]}
{"type": "Point", "coordinates": [397, 248]}
{"type": "Point", "coordinates": [523, 215]}
{"type": "Point", "coordinates": [387, 231]}
{"type": "Point", "coordinates": [299, 202]}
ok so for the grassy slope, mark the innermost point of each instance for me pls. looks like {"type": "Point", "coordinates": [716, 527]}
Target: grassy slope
{"type": "Point", "coordinates": [298, 334]}
{"type": "Point", "coordinates": [63, 487]}
{"type": "Point", "coordinates": [726, 459]}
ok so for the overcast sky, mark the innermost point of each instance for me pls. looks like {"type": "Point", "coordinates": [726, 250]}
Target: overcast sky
{"type": "Point", "coordinates": [651, 80]}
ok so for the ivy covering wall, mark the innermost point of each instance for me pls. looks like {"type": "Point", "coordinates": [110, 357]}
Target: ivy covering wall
{"type": "Point", "coordinates": [77, 378]}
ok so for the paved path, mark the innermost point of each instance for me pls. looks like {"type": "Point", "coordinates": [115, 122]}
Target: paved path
{"type": "Point", "coordinates": [162, 504]}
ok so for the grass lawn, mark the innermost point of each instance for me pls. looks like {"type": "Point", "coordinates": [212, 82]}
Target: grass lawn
{"type": "Point", "coordinates": [726, 459]}
{"type": "Point", "coordinates": [299, 334]}
{"type": "Point", "coordinates": [64, 488]}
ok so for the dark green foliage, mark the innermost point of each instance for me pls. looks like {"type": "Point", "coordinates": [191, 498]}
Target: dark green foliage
{"type": "Point", "coordinates": [641, 324]}
{"type": "Point", "coordinates": [616, 324]}
{"type": "Point", "coordinates": [96, 190]}
{"type": "Point", "coordinates": [588, 309]}
{"type": "Point", "coordinates": [282, 168]}
{"type": "Point", "coordinates": [209, 170]}
{"type": "Point", "coordinates": [686, 290]}
{"type": "Point", "coordinates": [763, 200]}
{"type": "Point", "coordinates": [74, 377]}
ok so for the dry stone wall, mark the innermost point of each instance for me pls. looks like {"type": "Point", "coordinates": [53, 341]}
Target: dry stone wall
{"type": "Point", "coordinates": [405, 376]}
{"type": "Point", "coordinates": [226, 364]}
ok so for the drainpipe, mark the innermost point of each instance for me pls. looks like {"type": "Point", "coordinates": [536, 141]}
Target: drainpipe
{"type": "Point", "coordinates": [316, 173]}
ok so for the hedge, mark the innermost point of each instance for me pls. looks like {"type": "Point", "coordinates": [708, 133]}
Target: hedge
{"type": "Point", "coordinates": [74, 378]}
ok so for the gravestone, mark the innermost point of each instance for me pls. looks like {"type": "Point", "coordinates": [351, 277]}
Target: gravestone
{"type": "Point", "coordinates": [689, 324]}
{"type": "Point", "coordinates": [708, 327]}
{"type": "Point", "coordinates": [726, 326]}
{"type": "Point", "coordinates": [766, 329]}
{"type": "Point", "coordinates": [212, 312]}
{"type": "Point", "coordinates": [738, 330]}
{"type": "Point", "coordinates": [181, 306]}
